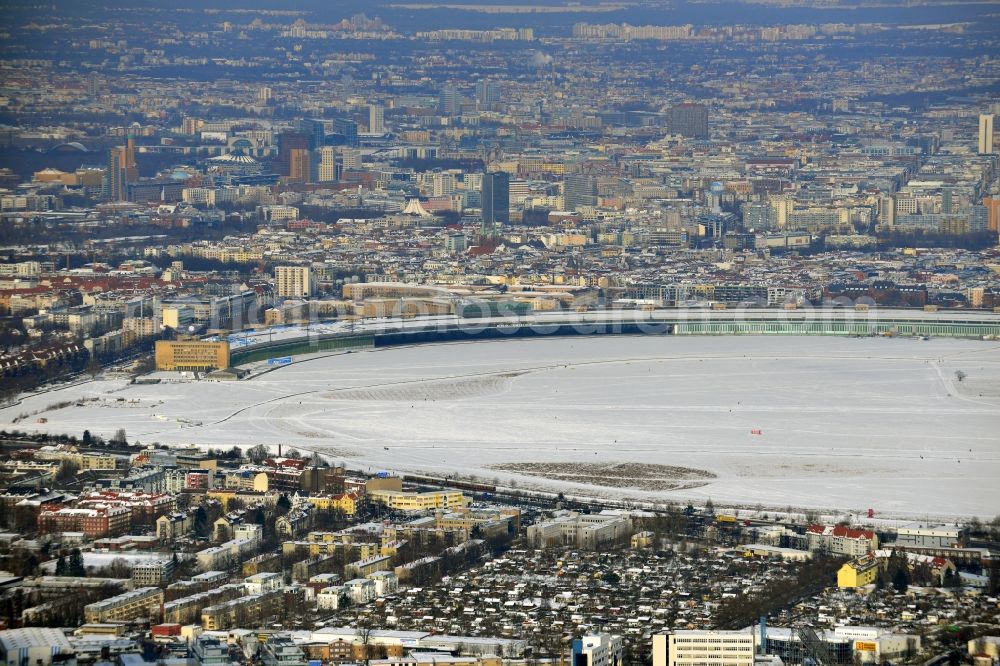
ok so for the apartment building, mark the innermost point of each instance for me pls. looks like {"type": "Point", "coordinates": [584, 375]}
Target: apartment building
{"type": "Point", "coordinates": [858, 572]}
{"type": "Point", "coordinates": [86, 461]}
{"type": "Point", "coordinates": [487, 523]}
{"type": "Point", "coordinates": [144, 508]}
{"type": "Point", "coordinates": [174, 526]}
{"type": "Point", "coordinates": [841, 540]}
{"type": "Point", "coordinates": [246, 611]}
{"type": "Point", "coordinates": [94, 522]}
{"type": "Point", "coordinates": [360, 590]}
{"type": "Point", "coordinates": [330, 598]}
{"type": "Point", "coordinates": [294, 522]}
{"type": "Point", "coordinates": [345, 502]}
{"type": "Point", "coordinates": [187, 610]}
{"type": "Point", "coordinates": [263, 582]}
{"type": "Point", "coordinates": [598, 650]}
{"type": "Point", "coordinates": [151, 573]}
{"type": "Point", "coordinates": [141, 603]}
{"type": "Point", "coordinates": [386, 582]}
{"type": "Point", "coordinates": [293, 281]}
{"type": "Point", "coordinates": [369, 566]}
{"type": "Point", "coordinates": [223, 555]}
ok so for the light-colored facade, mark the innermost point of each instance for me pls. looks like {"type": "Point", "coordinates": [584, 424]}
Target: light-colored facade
{"type": "Point", "coordinates": [598, 650]}
{"type": "Point", "coordinates": [210, 651]}
{"type": "Point", "coordinates": [174, 526]}
{"type": "Point", "coordinates": [225, 554]}
{"type": "Point", "coordinates": [141, 603]}
{"type": "Point", "coordinates": [32, 645]}
{"type": "Point", "coordinates": [263, 582]}
{"type": "Point", "coordinates": [580, 530]}
{"type": "Point", "coordinates": [366, 567]}
{"type": "Point", "coordinates": [153, 572]}
{"type": "Point", "coordinates": [330, 598]}
{"type": "Point", "coordinates": [940, 536]}
{"type": "Point", "coordinates": [248, 610]}
{"type": "Point", "coordinates": [985, 134]}
{"type": "Point", "coordinates": [360, 590]}
{"type": "Point", "coordinates": [386, 582]}
{"type": "Point", "coordinates": [293, 281]}
{"type": "Point", "coordinates": [704, 648]}
{"type": "Point", "coordinates": [327, 167]}
{"type": "Point", "coordinates": [376, 118]}
{"type": "Point", "coordinates": [430, 501]}
{"type": "Point", "coordinates": [841, 540]}
{"type": "Point", "coordinates": [874, 645]}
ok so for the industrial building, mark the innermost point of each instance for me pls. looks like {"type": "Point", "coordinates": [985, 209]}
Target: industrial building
{"type": "Point", "coordinates": [32, 645]}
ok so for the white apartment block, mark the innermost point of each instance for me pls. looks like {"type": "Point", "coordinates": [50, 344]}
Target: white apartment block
{"type": "Point", "coordinates": [598, 650]}
{"type": "Point", "coordinates": [386, 582]}
{"type": "Point", "coordinates": [330, 598]}
{"type": "Point", "coordinates": [360, 590]}
{"type": "Point", "coordinates": [263, 582]}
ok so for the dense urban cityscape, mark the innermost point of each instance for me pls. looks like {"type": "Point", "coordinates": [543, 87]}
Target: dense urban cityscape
{"type": "Point", "coordinates": [591, 333]}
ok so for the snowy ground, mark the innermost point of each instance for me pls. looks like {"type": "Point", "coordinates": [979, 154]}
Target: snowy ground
{"type": "Point", "coordinates": [92, 560]}
{"type": "Point", "coordinates": [845, 423]}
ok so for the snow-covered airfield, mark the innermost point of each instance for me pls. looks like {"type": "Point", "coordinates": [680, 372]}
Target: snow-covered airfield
{"type": "Point", "coordinates": [843, 423]}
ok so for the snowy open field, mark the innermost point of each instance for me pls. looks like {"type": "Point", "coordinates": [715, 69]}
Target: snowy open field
{"type": "Point", "coordinates": [844, 423]}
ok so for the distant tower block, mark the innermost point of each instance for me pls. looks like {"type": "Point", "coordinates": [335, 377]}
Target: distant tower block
{"type": "Point", "coordinates": [376, 118]}
{"type": "Point", "coordinates": [986, 134]}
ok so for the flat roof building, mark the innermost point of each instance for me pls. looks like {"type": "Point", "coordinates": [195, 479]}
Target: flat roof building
{"type": "Point", "coordinates": [32, 645]}
{"type": "Point", "coordinates": [140, 603]}
{"type": "Point", "coordinates": [191, 355]}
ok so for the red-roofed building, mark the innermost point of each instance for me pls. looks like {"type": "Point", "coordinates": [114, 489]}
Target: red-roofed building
{"type": "Point", "coordinates": [291, 463]}
{"type": "Point", "coordinates": [841, 540]}
{"type": "Point", "coordinates": [94, 523]}
{"type": "Point", "coordinates": [144, 508]}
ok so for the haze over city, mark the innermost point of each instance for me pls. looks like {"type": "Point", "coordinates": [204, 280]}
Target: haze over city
{"type": "Point", "coordinates": [626, 333]}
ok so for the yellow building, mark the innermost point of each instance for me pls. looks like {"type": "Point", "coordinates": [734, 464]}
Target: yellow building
{"type": "Point", "coordinates": [97, 461]}
{"type": "Point", "coordinates": [246, 497]}
{"type": "Point", "coordinates": [407, 501]}
{"type": "Point", "coordinates": [191, 355]}
{"type": "Point", "coordinates": [858, 573]}
{"type": "Point", "coordinates": [141, 603]}
{"type": "Point", "coordinates": [346, 503]}
{"type": "Point", "coordinates": [362, 550]}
